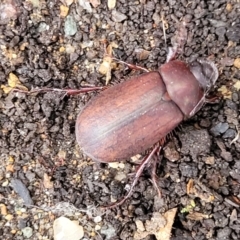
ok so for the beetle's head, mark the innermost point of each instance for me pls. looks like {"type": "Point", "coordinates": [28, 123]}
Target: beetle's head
{"type": "Point", "coordinates": [205, 72]}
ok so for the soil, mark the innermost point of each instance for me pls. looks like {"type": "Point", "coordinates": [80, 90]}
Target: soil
{"type": "Point", "coordinates": [43, 173]}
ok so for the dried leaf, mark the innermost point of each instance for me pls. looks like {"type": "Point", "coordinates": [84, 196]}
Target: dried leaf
{"type": "Point", "coordinates": [233, 200]}
{"type": "Point", "coordinates": [229, 7]}
{"type": "Point", "coordinates": [190, 186]}
{"type": "Point", "coordinates": [13, 80]}
{"type": "Point", "coordinates": [10, 168]}
{"type": "Point", "coordinates": [165, 232]}
{"type": "Point", "coordinates": [196, 216]}
{"type": "Point", "coordinates": [236, 137]}
{"type": "Point", "coordinates": [237, 63]}
{"type": "Point", "coordinates": [67, 2]}
{"type": "Point", "coordinates": [199, 190]}
{"type": "Point", "coordinates": [111, 4]}
{"type": "Point", "coordinates": [209, 160]}
{"type": "Point", "coordinates": [6, 89]}
{"type": "Point", "coordinates": [3, 209]}
{"type": "Point", "coordinates": [95, 3]}
{"type": "Point", "coordinates": [106, 66]}
{"type": "Point", "coordinates": [142, 54]}
{"type": "Point", "coordinates": [160, 225]}
{"type": "Point", "coordinates": [237, 85]}
{"type": "Point", "coordinates": [47, 181]}
{"type": "Point", "coordinates": [227, 94]}
{"type": "Point", "coordinates": [63, 11]}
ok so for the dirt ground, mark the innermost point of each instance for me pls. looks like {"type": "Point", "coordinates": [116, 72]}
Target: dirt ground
{"type": "Point", "coordinates": [43, 173]}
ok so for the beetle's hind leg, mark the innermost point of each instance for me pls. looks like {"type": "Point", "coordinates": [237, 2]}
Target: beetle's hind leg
{"type": "Point", "coordinates": [146, 161]}
{"type": "Point", "coordinates": [154, 177]}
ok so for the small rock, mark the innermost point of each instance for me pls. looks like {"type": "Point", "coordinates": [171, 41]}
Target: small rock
{"type": "Point", "coordinates": [219, 128]}
{"type": "Point", "coordinates": [43, 27]}
{"type": "Point", "coordinates": [97, 219]}
{"type": "Point", "coordinates": [171, 153]}
{"type": "Point", "coordinates": [209, 160]}
{"type": "Point", "coordinates": [7, 11]}
{"type": "Point", "coordinates": [217, 23]}
{"type": "Point", "coordinates": [230, 133]}
{"type": "Point", "coordinates": [111, 4]}
{"type": "Point", "coordinates": [108, 231]}
{"type": "Point", "coordinates": [205, 123]}
{"type": "Point", "coordinates": [236, 62]}
{"type": "Point", "coordinates": [224, 233]}
{"type": "Point", "coordinates": [85, 4]}
{"type": "Point", "coordinates": [226, 61]}
{"type": "Point", "coordinates": [233, 33]}
{"type": "Point", "coordinates": [195, 142]}
{"type": "Point", "coordinates": [30, 176]}
{"type": "Point", "coordinates": [70, 27]}
{"type": "Point", "coordinates": [140, 225]}
{"type": "Point", "coordinates": [22, 223]}
{"type": "Point", "coordinates": [120, 176]}
{"type": "Point", "coordinates": [117, 16]}
{"type": "Point", "coordinates": [156, 18]}
{"type": "Point", "coordinates": [97, 227]}
{"type": "Point", "coordinates": [22, 191]}
{"type": "Point", "coordinates": [5, 183]}
{"type": "Point", "coordinates": [27, 232]}
{"type": "Point", "coordinates": [65, 229]}
{"type": "Point", "coordinates": [9, 217]}
{"type": "Point", "coordinates": [3, 209]}
{"type": "Point", "coordinates": [220, 31]}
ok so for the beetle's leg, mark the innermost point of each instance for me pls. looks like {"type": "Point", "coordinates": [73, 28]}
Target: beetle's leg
{"type": "Point", "coordinates": [154, 175]}
{"type": "Point", "coordinates": [131, 66]}
{"type": "Point", "coordinates": [212, 100]}
{"type": "Point", "coordinates": [178, 41]}
{"type": "Point", "coordinates": [144, 163]}
{"type": "Point", "coordinates": [64, 91]}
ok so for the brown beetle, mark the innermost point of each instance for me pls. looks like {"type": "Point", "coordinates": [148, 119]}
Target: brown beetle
{"type": "Point", "coordinates": [132, 116]}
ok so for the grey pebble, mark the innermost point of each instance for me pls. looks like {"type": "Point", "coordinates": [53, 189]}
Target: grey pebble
{"type": "Point", "coordinates": [219, 128]}
{"type": "Point", "coordinates": [70, 27]}
{"type": "Point", "coordinates": [27, 232]}
{"type": "Point", "coordinates": [22, 191]}
{"type": "Point", "coordinates": [117, 16]}
{"type": "Point", "coordinates": [230, 133]}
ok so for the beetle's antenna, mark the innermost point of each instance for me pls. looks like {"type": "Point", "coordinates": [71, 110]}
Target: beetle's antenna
{"type": "Point", "coordinates": [164, 27]}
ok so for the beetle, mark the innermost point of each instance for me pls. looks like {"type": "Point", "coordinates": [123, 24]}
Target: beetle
{"type": "Point", "coordinates": [130, 117]}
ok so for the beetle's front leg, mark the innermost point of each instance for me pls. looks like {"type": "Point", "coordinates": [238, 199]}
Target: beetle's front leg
{"type": "Point", "coordinates": [131, 66]}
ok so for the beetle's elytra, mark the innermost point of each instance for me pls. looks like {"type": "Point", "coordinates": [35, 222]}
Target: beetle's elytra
{"type": "Point", "coordinates": [130, 117]}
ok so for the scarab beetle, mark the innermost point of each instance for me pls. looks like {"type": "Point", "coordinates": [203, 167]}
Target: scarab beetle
{"type": "Point", "coordinates": [130, 117]}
